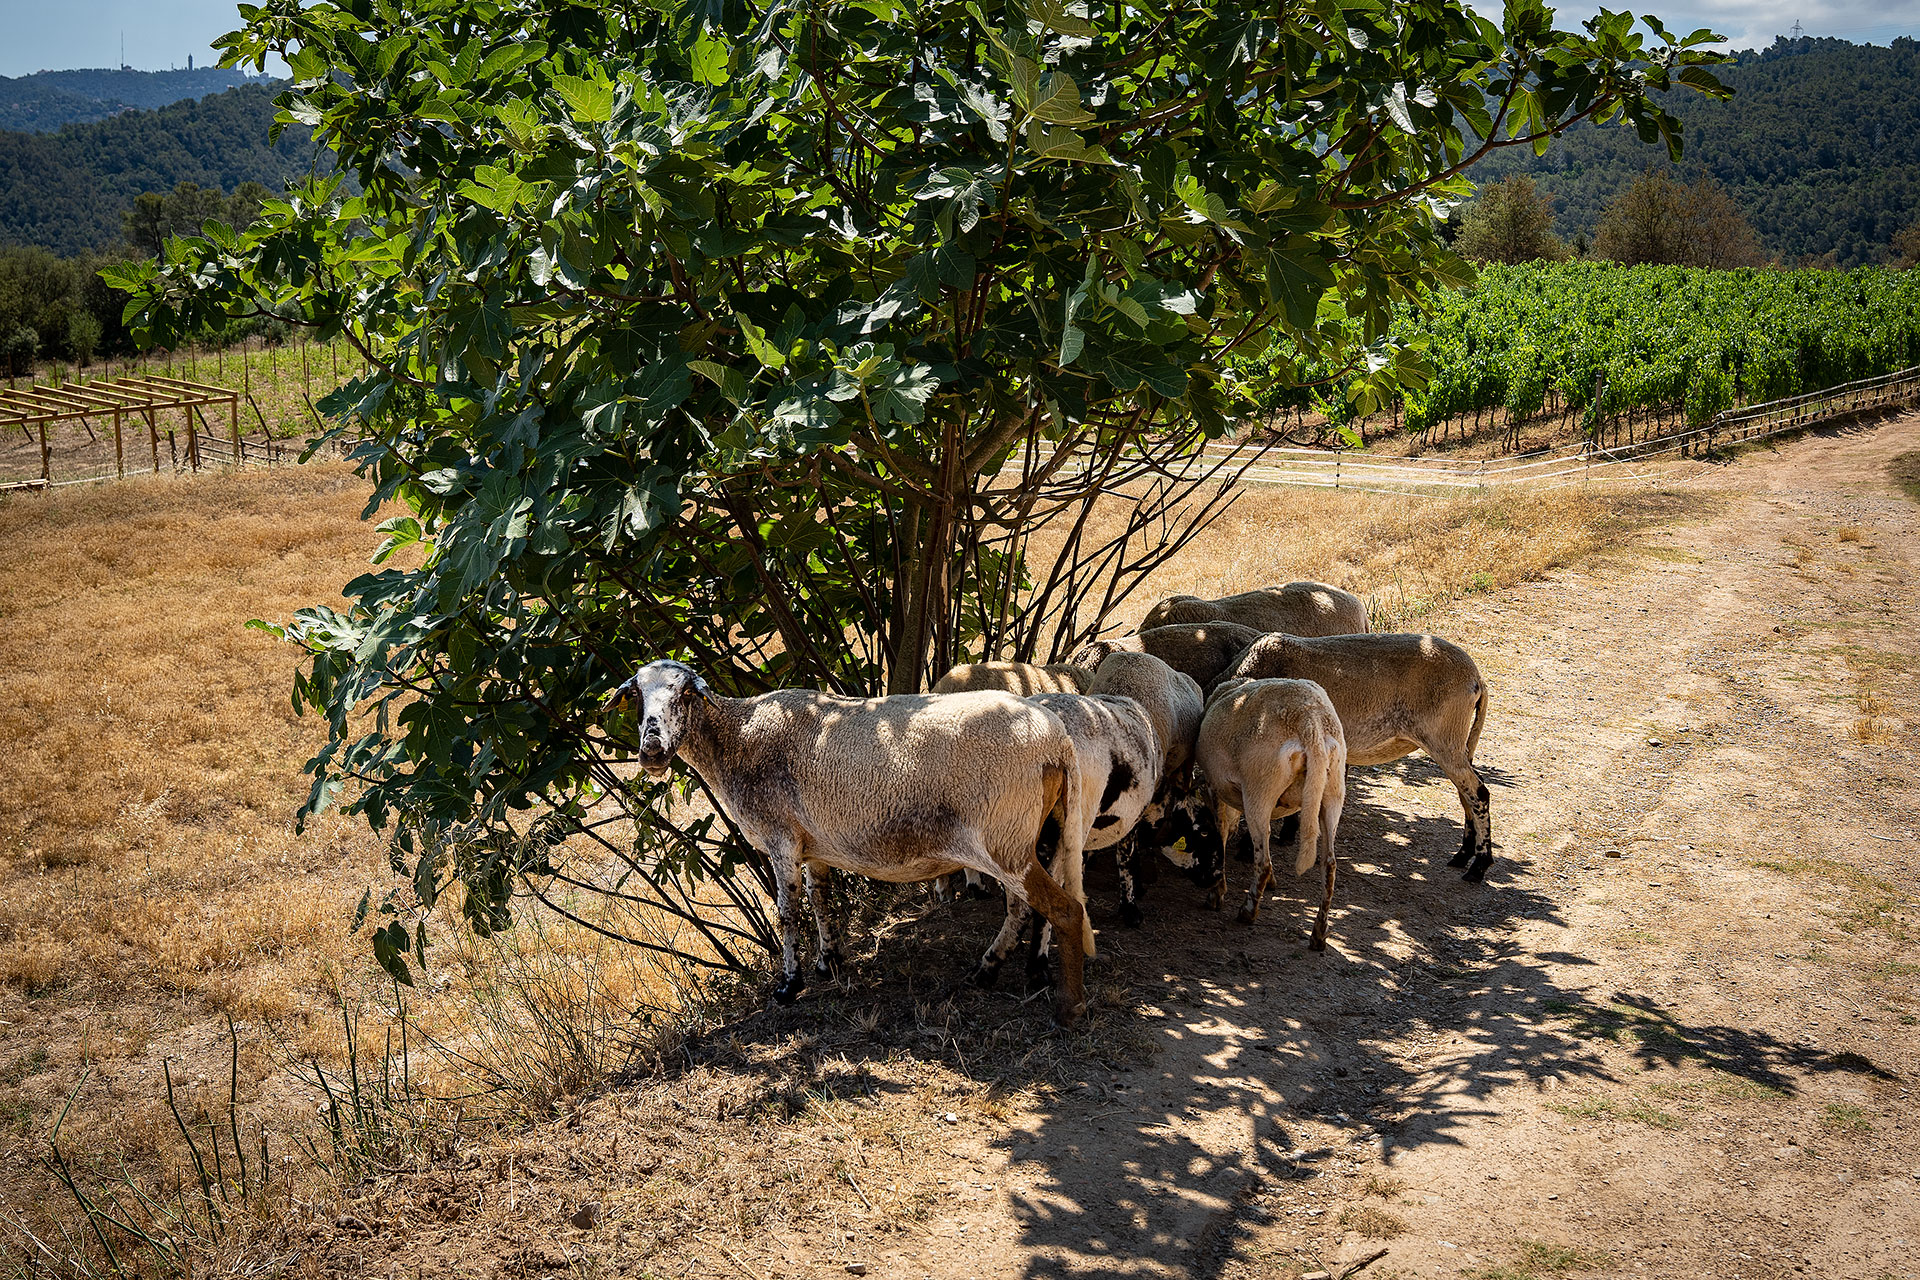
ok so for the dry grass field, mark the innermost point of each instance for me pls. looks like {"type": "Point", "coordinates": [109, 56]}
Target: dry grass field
{"type": "Point", "coordinates": [152, 885]}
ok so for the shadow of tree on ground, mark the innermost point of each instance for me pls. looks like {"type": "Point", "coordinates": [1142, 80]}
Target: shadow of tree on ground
{"type": "Point", "coordinates": [1214, 1051]}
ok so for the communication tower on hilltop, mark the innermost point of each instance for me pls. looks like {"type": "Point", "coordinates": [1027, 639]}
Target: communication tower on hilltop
{"type": "Point", "coordinates": [1796, 28]}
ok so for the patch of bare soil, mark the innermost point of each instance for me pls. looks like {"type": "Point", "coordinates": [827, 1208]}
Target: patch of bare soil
{"type": "Point", "coordinates": [1674, 1034]}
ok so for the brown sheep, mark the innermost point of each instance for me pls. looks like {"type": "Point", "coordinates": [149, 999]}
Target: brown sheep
{"type": "Point", "coordinates": [1204, 650]}
{"type": "Point", "coordinates": [1397, 694]}
{"type": "Point", "coordinates": [1271, 748]}
{"type": "Point", "coordinates": [1298, 608]}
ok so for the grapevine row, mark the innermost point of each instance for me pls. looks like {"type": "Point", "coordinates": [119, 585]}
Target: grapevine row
{"type": "Point", "coordinates": [1658, 344]}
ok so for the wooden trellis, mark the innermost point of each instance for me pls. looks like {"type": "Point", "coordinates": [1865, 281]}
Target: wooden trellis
{"type": "Point", "coordinates": [139, 397]}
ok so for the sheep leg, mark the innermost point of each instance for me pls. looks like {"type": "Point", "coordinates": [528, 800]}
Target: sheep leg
{"type": "Point", "coordinates": [1069, 920]}
{"type": "Point", "coordinates": [987, 973]}
{"type": "Point", "coordinates": [1476, 849]}
{"type": "Point", "coordinates": [787, 898]}
{"type": "Point", "coordinates": [1261, 833]}
{"type": "Point", "coordinates": [1130, 914]}
{"type": "Point", "coordinates": [831, 957]}
{"type": "Point", "coordinates": [1332, 802]}
{"type": "Point", "coordinates": [1226, 818]}
{"type": "Point", "coordinates": [1240, 847]}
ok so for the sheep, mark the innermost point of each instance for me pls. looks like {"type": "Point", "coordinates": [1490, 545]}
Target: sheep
{"type": "Point", "coordinates": [1120, 757]}
{"type": "Point", "coordinates": [1276, 746]}
{"type": "Point", "coordinates": [901, 789]}
{"type": "Point", "coordinates": [1203, 650]}
{"type": "Point", "coordinates": [1022, 679]}
{"type": "Point", "coordinates": [1173, 702]}
{"type": "Point", "coordinates": [1298, 608]}
{"type": "Point", "coordinates": [1396, 694]}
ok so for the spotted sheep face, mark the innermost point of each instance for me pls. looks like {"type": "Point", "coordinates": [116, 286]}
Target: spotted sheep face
{"type": "Point", "coordinates": [664, 693]}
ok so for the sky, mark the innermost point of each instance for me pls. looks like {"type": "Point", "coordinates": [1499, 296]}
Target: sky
{"type": "Point", "coordinates": [37, 35]}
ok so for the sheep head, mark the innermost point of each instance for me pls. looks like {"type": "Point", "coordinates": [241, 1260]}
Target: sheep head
{"type": "Point", "coordinates": [665, 694]}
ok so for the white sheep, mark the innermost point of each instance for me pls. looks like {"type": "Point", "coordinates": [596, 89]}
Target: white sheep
{"type": "Point", "coordinates": [1271, 748]}
{"type": "Point", "coordinates": [1173, 702]}
{"type": "Point", "coordinates": [901, 789]}
{"type": "Point", "coordinates": [1120, 771]}
{"type": "Point", "coordinates": [1023, 679]}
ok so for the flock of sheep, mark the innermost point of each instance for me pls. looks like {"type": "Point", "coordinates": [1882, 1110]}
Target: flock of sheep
{"type": "Point", "coordinates": [1015, 772]}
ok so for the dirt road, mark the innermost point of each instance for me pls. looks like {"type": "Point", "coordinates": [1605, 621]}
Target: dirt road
{"type": "Point", "coordinates": [1674, 1034]}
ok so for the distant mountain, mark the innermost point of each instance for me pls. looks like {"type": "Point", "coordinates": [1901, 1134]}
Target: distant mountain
{"type": "Point", "coordinates": [1819, 147]}
{"type": "Point", "coordinates": [66, 191]}
{"type": "Point", "coordinates": [46, 100]}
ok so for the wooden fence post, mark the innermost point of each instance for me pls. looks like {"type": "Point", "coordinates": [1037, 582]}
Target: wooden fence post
{"type": "Point", "coordinates": [46, 454]}
{"type": "Point", "coordinates": [233, 421]}
{"type": "Point", "coordinates": [153, 435]}
{"type": "Point", "coordinates": [119, 449]}
{"type": "Point", "coordinates": [193, 444]}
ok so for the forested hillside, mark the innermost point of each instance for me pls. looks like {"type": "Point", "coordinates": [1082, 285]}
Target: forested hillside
{"type": "Point", "coordinates": [66, 191]}
{"type": "Point", "coordinates": [1819, 147]}
{"type": "Point", "coordinates": [46, 100]}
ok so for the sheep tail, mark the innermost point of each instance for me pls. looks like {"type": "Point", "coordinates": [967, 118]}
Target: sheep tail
{"type": "Point", "coordinates": [1069, 866]}
{"type": "Point", "coordinates": [1479, 719]}
{"type": "Point", "coordinates": [1313, 787]}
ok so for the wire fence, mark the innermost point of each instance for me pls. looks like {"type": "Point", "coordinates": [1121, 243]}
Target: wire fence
{"type": "Point", "coordinates": [75, 452]}
{"type": "Point", "coordinates": [1646, 460]}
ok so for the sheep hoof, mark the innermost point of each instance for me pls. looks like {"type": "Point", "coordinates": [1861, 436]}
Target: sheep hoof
{"type": "Point", "coordinates": [1318, 943]}
{"type": "Point", "coordinates": [789, 991]}
{"type": "Point", "coordinates": [1068, 1012]}
{"type": "Point", "coordinates": [1131, 916]}
{"type": "Point", "coordinates": [1247, 914]}
{"type": "Point", "coordinates": [1214, 900]}
{"type": "Point", "coordinates": [1477, 872]}
{"type": "Point", "coordinates": [1461, 858]}
{"type": "Point", "coordinates": [986, 977]}
{"type": "Point", "coordinates": [830, 966]}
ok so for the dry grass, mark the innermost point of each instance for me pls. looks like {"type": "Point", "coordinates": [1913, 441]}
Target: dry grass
{"type": "Point", "coordinates": [1407, 557]}
{"type": "Point", "coordinates": [1371, 1222]}
{"type": "Point", "coordinates": [1904, 471]}
{"type": "Point", "coordinates": [1870, 725]}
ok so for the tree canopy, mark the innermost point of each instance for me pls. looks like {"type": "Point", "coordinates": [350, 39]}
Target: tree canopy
{"type": "Point", "coordinates": [1509, 222]}
{"type": "Point", "coordinates": [768, 336]}
{"type": "Point", "coordinates": [1661, 220]}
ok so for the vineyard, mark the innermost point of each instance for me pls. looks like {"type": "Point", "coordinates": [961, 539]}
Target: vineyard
{"type": "Point", "coordinates": [276, 384]}
{"type": "Point", "coordinates": [1611, 351]}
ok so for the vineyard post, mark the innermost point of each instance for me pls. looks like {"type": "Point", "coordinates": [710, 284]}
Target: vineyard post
{"type": "Point", "coordinates": [1336, 471]}
{"type": "Point", "coordinates": [46, 454]}
{"type": "Point", "coordinates": [193, 444]}
{"type": "Point", "coordinates": [153, 434]}
{"type": "Point", "coordinates": [233, 426]}
{"type": "Point", "coordinates": [119, 449]}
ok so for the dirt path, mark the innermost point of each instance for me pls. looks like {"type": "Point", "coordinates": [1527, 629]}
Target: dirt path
{"type": "Point", "coordinates": [1676, 1030]}
{"type": "Point", "coordinates": [1673, 1035]}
